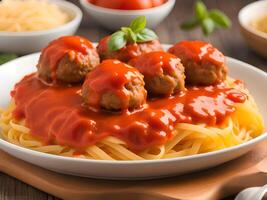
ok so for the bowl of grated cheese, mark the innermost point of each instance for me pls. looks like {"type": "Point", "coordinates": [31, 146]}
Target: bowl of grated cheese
{"type": "Point", "coordinates": [27, 25]}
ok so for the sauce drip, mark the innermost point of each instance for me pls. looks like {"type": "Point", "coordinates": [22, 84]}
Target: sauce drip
{"type": "Point", "coordinates": [77, 47]}
{"type": "Point", "coordinates": [56, 114]}
{"type": "Point", "coordinates": [198, 51]}
{"type": "Point", "coordinates": [124, 54]}
{"type": "Point", "coordinates": [105, 79]}
{"type": "Point", "coordinates": [156, 63]}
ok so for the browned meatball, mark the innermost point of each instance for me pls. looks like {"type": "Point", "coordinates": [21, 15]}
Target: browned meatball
{"type": "Point", "coordinates": [204, 64]}
{"type": "Point", "coordinates": [114, 85]}
{"type": "Point", "coordinates": [67, 59]}
{"type": "Point", "coordinates": [129, 51]}
{"type": "Point", "coordinates": [164, 73]}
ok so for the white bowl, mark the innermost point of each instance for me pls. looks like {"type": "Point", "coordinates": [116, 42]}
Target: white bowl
{"type": "Point", "coordinates": [33, 41]}
{"type": "Point", "coordinates": [113, 19]}
{"type": "Point", "coordinates": [255, 79]}
{"type": "Point", "coordinates": [257, 40]}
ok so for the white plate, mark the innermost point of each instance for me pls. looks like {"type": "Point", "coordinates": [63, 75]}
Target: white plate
{"type": "Point", "coordinates": [13, 71]}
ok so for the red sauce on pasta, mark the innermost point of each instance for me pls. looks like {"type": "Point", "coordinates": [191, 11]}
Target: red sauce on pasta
{"type": "Point", "coordinates": [198, 51]}
{"type": "Point", "coordinates": [56, 114]}
{"type": "Point", "coordinates": [77, 47]}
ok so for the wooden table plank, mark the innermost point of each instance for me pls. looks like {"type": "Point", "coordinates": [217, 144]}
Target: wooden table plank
{"type": "Point", "coordinates": [12, 189]}
{"type": "Point", "coordinates": [230, 42]}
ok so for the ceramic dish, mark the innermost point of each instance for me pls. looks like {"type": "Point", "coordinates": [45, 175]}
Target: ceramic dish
{"type": "Point", "coordinates": [257, 40]}
{"type": "Point", "coordinates": [255, 79]}
{"type": "Point", "coordinates": [114, 19]}
{"type": "Point", "coordinates": [18, 42]}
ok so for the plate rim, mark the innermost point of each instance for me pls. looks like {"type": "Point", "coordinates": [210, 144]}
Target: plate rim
{"type": "Point", "coordinates": [24, 150]}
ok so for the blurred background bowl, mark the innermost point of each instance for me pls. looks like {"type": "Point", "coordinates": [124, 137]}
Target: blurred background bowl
{"type": "Point", "coordinates": [33, 41]}
{"type": "Point", "coordinates": [113, 19]}
{"type": "Point", "coordinates": [257, 40]}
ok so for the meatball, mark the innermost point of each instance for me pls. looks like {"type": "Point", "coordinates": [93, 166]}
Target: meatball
{"type": "Point", "coordinates": [128, 52]}
{"type": "Point", "coordinates": [163, 72]}
{"type": "Point", "coordinates": [204, 64]}
{"type": "Point", "coordinates": [67, 60]}
{"type": "Point", "coordinates": [114, 85]}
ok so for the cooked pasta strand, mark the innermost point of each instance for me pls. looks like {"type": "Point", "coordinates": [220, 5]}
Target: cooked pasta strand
{"type": "Point", "coordinates": [188, 139]}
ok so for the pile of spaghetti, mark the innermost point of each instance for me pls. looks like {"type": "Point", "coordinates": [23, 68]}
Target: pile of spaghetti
{"type": "Point", "coordinates": [153, 109]}
{"type": "Point", "coordinates": [188, 139]}
{"type": "Point", "coordinates": [30, 15]}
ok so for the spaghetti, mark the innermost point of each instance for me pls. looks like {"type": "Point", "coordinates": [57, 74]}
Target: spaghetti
{"type": "Point", "coordinates": [187, 138]}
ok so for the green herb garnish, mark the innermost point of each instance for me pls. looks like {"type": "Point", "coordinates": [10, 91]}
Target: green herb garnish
{"type": "Point", "coordinates": [208, 20]}
{"type": "Point", "coordinates": [135, 33]}
{"type": "Point", "coordinates": [7, 57]}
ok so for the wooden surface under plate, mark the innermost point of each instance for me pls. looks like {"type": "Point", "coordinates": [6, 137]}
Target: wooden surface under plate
{"type": "Point", "coordinates": [229, 41]}
{"type": "Point", "coordinates": [225, 180]}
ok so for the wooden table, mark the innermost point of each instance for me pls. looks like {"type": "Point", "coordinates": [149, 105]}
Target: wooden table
{"type": "Point", "coordinates": [230, 42]}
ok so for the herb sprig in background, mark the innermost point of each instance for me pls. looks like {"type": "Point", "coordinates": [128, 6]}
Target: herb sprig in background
{"type": "Point", "coordinates": [208, 20]}
{"type": "Point", "coordinates": [5, 57]}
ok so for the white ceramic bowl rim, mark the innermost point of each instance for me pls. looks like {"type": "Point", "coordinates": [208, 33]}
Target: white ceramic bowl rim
{"type": "Point", "coordinates": [61, 4]}
{"type": "Point", "coordinates": [197, 156]}
{"type": "Point", "coordinates": [126, 12]}
{"type": "Point", "coordinates": [245, 25]}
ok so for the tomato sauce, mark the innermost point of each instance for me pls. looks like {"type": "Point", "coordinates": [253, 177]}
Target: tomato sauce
{"type": "Point", "coordinates": [124, 54]}
{"type": "Point", "coordinates": [131, 50]}
{"type": "Point", "coordinates": [198, 51]}
{"type": "Point", "coordinates": [156, 63]}
{"type": "Point", "coordinates": [56, 114]}
{"type": "Point", "coordinates": [76, 46]}
{"type": "Point", "coordinates": [105, 79]}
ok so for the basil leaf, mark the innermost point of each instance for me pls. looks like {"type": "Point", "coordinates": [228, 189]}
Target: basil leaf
{"type": "Point", "coordinates": [146, 35]}
{"type": "Point", "coordinates": [193, 23]}
{"type": "Point", "coordinates": [200, 10]}
{"type": "Point", "coordinates": [220, 18]}
{"type": "Point", "coordinates": [124, 29]}
{"type": "Point", "coordinates": [208, 26]}
{"type": "Point", "coordinates": [138, 24]}
{"type": "Point", "coordinates": [130, 35]}
{"type": "Point", "coordinates": [117, 41]}
{"type": "Point", "coordinates": [209, 20]}
{"type": "Point", "coordinates": [133, 34]}
{"type": "Point", "coordinates": [7, 57]}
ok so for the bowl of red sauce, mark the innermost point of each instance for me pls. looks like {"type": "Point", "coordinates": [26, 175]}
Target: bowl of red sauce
{"type": "Point", "coordinates": [114, 14]}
